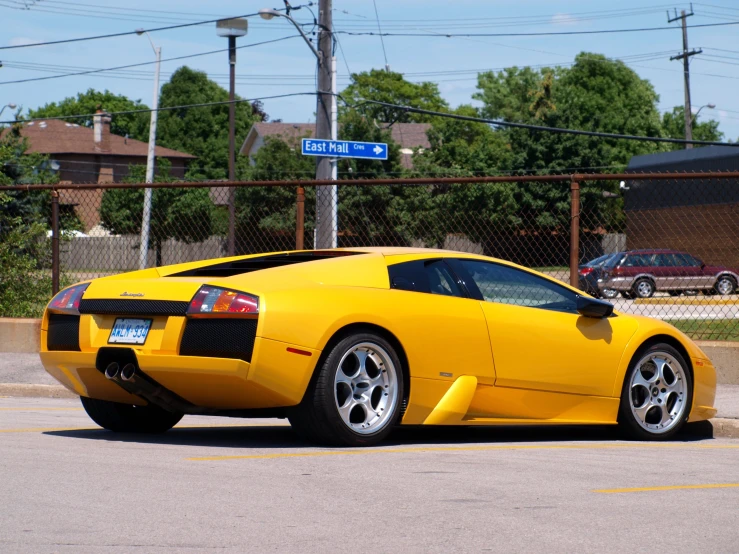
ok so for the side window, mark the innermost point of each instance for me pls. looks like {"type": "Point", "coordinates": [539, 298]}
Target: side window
{"type": "Point", "coordinates": [507, 285]}
{"type": "Point", "coordinates": [690, 260]}
{"type": "Point", "coordinates": [433, 276]}
{"type": "Point", "coordinates": [639, 260]}
{"type": "Point", "coordinates": [667, 260]}
{"type": "Point", "coordinates": [441, 279]}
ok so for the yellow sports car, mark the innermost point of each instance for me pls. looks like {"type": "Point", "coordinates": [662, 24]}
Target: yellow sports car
{"type": "Point", "coordinates": [349, 343]}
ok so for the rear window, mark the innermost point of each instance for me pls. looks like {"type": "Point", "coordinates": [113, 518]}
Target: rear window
{"type": "Point", "coordinates": [239, 267]}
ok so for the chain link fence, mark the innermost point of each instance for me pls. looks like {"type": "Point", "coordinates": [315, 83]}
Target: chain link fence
{"type": "Point", "coordinates": [661, 245]}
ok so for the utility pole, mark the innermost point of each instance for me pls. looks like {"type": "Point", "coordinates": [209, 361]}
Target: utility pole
{"type": "Point", "coordinates": [685, 57]}
{"type": "Point", "coordinates": [146, 217]}
{"type": "Point", "coordinates": [324, 194]}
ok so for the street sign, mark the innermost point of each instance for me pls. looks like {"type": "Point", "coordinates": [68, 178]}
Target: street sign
{"type": "Point", "coordinates": [345, 149]}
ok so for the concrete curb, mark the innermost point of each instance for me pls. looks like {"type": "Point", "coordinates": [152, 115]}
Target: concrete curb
{"type": "Point", "coordinates": [20, 335]}
{"type": "Point", "coordinates": [37, 391]}
{"type": "Point", "coordinates": [725, 428]}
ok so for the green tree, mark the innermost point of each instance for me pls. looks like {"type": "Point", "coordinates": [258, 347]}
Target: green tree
{"type": "Point", "coordinates": [595, 94]}
{"type": "Point", "coordinates": [182, 214]}
{"type": "Point", "coordinates": [391, 87]}
{"type": "Point", "coordinates": [265, 216]}
{"type": "Point", "coordinates": [202, 131]}
{"type": "Point", "coordinates": [136, 126]}
{"type": "Point", "coordinates": [25, 253]}
{"type": "Point", "coordinates": [673, 126]}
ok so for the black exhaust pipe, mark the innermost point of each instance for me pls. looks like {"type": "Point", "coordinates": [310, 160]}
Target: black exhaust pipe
{"type": "Point", "coordinates": [136, 382]}
{"type": "Point", "coordinates": [112, 372]}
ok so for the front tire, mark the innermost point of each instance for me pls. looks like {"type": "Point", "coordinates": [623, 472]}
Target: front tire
{"type": "Point", "coordinates": [725, 285]}
{"type": "Point", "coordinates": [355, 399]}
{"type": "Point", "coordinates": [125, 418]}
{"type": "Point", "coordinates": [657, 394]}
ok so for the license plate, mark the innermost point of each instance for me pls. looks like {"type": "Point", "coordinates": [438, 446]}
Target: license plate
{"type": "Point", "coordinates": [129, 331]}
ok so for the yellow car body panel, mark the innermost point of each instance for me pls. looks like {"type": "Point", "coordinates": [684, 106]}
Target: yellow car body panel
{"type": "Point", "coordinates": [469, 362]}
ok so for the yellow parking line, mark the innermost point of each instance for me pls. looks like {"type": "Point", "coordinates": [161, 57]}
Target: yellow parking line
{"type": "Point", "coordinates": [671, 488]}
{"type": "Point", "coordinates": [203, 426]}
{"type": "Point", "coordinates": [687, 301]}
{"type": "Point", "coordinates": [318, 453]}
{"type": "Point", "coordinates": [33, 409]}
{"type": "Point", "coordinates": [48, 429]}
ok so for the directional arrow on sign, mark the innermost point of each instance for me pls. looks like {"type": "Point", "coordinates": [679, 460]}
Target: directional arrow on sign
{"type": "Point", "coordinates": [378, 149]}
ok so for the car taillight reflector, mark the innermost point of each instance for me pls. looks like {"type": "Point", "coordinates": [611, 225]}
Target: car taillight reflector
{"type": "Point", "coordinates": [212, 301]}
{"type": "Point", "coordinates": [585, 271]}
{"type": "Point", "coordinates": [68, 300]}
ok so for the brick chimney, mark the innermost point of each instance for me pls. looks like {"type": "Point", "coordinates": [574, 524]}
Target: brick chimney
{"type": "Point", "coordinates": [101, 131]}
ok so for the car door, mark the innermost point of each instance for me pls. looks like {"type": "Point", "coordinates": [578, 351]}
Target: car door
{"type": "Point", "coordinates": [445, 334]}
{"type": "Point", "coordinates": [539, 341]}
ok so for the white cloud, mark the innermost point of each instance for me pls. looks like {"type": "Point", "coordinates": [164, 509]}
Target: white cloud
{"type": "Point", "coordinates": [21, 41]}
{"type": "Point", "coordinates": [563, 19]}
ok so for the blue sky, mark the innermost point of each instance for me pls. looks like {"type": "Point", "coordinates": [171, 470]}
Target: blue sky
{"type": "Point", "coordinates": [289, 66]}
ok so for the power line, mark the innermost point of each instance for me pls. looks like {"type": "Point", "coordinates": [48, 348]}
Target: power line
{"type": "Point", "coordinates": [531, 127]}
{"type": "Point", "coordinates": [123, 34]}
{"type": "Point", "coordinates": [161, 109]}
{"type": "Point", "coordinates": [89, 71]}
{"type": "Point", "coordinates": [538, 34]}
{"type": "Point", "coordinates": [382, 40]}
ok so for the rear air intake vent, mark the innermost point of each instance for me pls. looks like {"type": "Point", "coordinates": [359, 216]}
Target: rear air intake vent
{"type": "Point", "coordinates": [116, 306]}
{"type": "Point", "coordinates": [63, 333]}
{"type": "Point", "coordinates": [219, 338]}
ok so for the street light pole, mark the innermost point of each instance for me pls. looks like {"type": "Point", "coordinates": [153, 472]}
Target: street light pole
{"type": "Point", "coordinates": [146, 217]}
{"type": "Point", "coordinates": [695, 115]}
{"type": "Point", "coordinates": [232, 28]}
{"type": "Point", "coordinates": [10, 105]}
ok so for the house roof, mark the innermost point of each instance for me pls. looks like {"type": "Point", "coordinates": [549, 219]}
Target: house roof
{"type": "Point", "coordinates": [407, 135]}
{"type": "Point", "coordinates": [55, 136]}
{"type": "Point", "coordinates": [703, 158]}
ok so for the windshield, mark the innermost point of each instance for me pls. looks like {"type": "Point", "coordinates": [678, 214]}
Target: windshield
{"type": "Point", "coordinates": [602, 261]}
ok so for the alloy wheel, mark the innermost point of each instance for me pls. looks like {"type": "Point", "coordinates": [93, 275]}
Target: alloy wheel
{"type": "Point", "coordinates": [644, 289]}
{"type": "Point", "coordinates": [366, 388]}
{"type": "Point", "coordinates": [725, 286]}
{"type": "Point", "coordinates": [658, 392]}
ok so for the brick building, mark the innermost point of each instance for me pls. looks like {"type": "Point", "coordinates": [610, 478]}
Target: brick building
{"type": "Point", "coordinates": [92, 155]}
{"type": "Point", "coordinates": [696, 216]}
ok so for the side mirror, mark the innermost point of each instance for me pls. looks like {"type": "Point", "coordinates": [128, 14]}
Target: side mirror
{"type": "Point", "coordinates": [590, 307]}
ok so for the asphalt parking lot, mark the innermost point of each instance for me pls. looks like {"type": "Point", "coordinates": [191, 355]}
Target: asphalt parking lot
{"type": "Point", "coordinates": [222, 485]}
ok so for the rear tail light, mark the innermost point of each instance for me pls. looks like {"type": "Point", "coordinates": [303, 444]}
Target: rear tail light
{"type": "Point", "coordinates": [585, 271]}
{"type": "Point", "coordinates": [213, 301]}
{"type": "Point", "coordinates": [68, 300]}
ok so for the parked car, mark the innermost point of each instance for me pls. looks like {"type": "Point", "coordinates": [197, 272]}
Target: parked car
{"type": "Point", "coordinates": [591, 272]}
{"type": "Point", "coordinates": [641, 273]}
{"type": "Point", "coordinates": [349, 343]}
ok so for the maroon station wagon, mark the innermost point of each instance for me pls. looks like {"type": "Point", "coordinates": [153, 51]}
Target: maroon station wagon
{"type": "Point", "coordinates": [640, 273]}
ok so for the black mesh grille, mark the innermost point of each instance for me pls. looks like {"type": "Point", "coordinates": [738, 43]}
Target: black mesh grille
{"type": "Point", "coordinates": [219, 338]}
{"type": "Point", "coordinates": [63, 333]}
{"type": "Point", "coordinates": [133, 307]}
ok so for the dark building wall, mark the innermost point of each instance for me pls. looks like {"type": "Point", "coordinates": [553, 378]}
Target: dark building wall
{"type": "Point", "coordinates": [710, 232]}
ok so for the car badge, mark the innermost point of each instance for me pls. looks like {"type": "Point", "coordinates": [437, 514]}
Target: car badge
{"type": "Point", "coordinates": [133, 294]}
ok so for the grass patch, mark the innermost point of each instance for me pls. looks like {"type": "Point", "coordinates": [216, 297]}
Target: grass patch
{"type": "Point", "coordinates": [552, 268]}
{"type": "Point", "coordinates": [708, 329]}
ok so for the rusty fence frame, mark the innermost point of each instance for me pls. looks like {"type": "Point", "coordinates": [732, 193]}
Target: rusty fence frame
{"type": "Point", "coordinates": [574, 180]}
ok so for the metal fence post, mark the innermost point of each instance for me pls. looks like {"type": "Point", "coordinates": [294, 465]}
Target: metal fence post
{"type": "Point", "coordinates": [574, 231]}
{"type": "Point", "coordinates": [54, 242]}
{"type": "Point", "coordinates": [300, 219]}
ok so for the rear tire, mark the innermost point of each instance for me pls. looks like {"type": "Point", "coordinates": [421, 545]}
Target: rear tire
{"type": "Point", "coordinates": [125, 418]}
{"type": "Point", "coordinates": [657, 394]}
{"type": "Point", "coordinates": [356, 397]}
{"type": "Point", "coordinates": [644, 288]}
